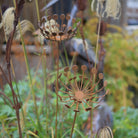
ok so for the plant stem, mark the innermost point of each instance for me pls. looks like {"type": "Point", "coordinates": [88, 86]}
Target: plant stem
{"type": "Point", "coordinates": [73, 124]}
{"type": "Point", "coordinates": [45, 88]}
{"type": "Point", "coordinates": [30, 78]}
{"type": "Point", "coordinates": [57, 89]}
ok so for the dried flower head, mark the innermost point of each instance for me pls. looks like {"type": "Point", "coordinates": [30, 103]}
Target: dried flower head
{"type": "Point", "coordinates": [8, 20]}
{"type": "Point", "coordinates": [107, 8]}
{"type": "Point", "coordinates": [83, 91]}
{"type": "Point", "coordinates": [53, 31]}
{"type": "Point", "coordinates": [82, 4]}
{"type": "Point", "coordinates": [105, 132]}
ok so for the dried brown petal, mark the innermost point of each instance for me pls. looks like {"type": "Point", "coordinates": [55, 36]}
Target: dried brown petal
{"type": "Point", "coordinates": [70, 79]}
{"type": "Point", "coordinates": [54, 34]}
{"type": "Point", "coordinates": [69, 30]}
{"type": "Point", "coordinates": [88, 109]}
{"type": "Point", "coordinates": [61, 33]}
{"type": "Point", "coordinates": [67, 106]}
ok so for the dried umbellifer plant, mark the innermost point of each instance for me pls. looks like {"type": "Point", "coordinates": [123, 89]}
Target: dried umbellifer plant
{"type": "Point", "coordinates": [51, 30]}
{"type": "Point", "coordinates": [58, 32]}
{"type": "Point", "coordinates": [81, 92]}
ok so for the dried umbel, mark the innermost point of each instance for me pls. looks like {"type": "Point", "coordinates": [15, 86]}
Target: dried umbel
{"type": "Point", "coordinates": [53, 31]}
{"type": "Point", "coordinates": [83, 91]}
{"type": "Point", "coordinates": [107, 8]}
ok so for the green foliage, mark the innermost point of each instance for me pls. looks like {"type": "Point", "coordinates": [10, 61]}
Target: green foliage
{"type": "Point", "coordinates": [121, 60]}
{"type": "Point", "coordinates": [121, 67]}
{"type": "Point", "coordinates": [126, 125]}
{"type": "Point", "coordinates": [8, 119]}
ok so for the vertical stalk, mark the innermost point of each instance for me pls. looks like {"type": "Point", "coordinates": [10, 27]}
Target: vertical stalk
{"type": "Point", "coordinates": [97, 47]}
{"type": "Point", "coordinates": [45, 89]}
{"type": "Point", "coordinates": [30, 78]}
{"type": "Point", "coordinates": [57, 88]}
{"type": "Point", "coordinates": [73, 124]}
{"type": "Point", "coordinates": [37, 10]}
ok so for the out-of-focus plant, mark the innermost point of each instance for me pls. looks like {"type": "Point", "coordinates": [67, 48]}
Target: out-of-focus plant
{"type": "Point", "coordinates": [120, 62]}
{"type": "Point", "coordinates": [8, 118]}
{"type": "Point", "coordinates": [126, 126]}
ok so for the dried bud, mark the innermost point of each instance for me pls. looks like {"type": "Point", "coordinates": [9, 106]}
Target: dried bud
{"type": "Point", "coordinates": [83, 67]}
{"type": "Point", "coordinates": [82, 4]}
{"type": "Point", "coordinates": [75, 68]}
{"type": "Point", "coordinates": [103, 28]}
{"type": "Point", "coordinates": [101, 76]}
{"type": "Point", "coordinates": [94, 70]}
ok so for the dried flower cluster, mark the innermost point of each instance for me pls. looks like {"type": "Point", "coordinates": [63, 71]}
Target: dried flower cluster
{"type": "Point", "coordinates": [83, 91]}
{"type": "Point", "coordinates": [53, 31]}
{"type": "Point", "coordinates": [107, 8]}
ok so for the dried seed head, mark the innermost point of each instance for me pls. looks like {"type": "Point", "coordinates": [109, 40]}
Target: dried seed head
{"type": "Point", "coordinates": [66, 69]}
{"type": "Point", "coordinates": [82, 4]}
{"type": "Point", "coordinates": [49, 17]}
{"type": "Point", "coordinates": [75, 68]}
{"type": "Point", "coordinates": [51, 29]}
{"type": "Point", "coordinates": [73, 20]}
{"type": "Point", "coordinates": [55, 16]}
{"type": "Point", "coordinates": [83, 67]}
{"type": "Point", "coordinates": [94, 70]}
{"type": "Point", "coordinates": [101, 76]}
{"type": "Point", "coordinates": [68, 17]}
{"type": "Point", "coordinates": [62, 16]}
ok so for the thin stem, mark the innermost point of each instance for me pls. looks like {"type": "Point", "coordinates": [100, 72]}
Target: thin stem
{"type": "Point", "coordinates": [73, 124]}
{"type": "Point", "coordinates": [6, 97]}
{"type": "Point", "coordinates": [97, 47]}
{"type": "Point", "coordinates": [30, 78]}
{"type": "Point", "coordinates": [57, 88]}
